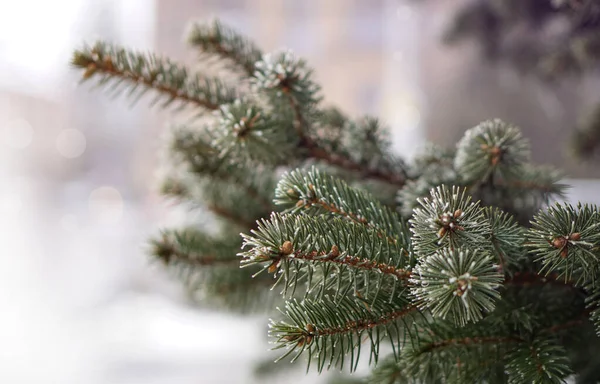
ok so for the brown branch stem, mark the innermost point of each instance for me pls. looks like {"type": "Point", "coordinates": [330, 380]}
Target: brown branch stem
{"type": "Point", "coordinates": [353, 262]}
{"type": "Point", "coordinates": [169, 252]}
{"type": "Point", "coordinates": [330, 207]}
{"type": "Point", "coordinates": [208, 260]}
{"type": "Point", "coordinates": [362, 324]}
{"type": "Point", "coordinates": [106, 66]}
{"type": "Point", "coordinates": [230, 54]}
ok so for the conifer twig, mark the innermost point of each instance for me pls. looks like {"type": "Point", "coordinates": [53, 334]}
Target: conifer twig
{"type": "Point", "coordinates": [312, 190]}
{"type": "Point", "coordinates": [193, 249]}
{"type": "Point", "coordinates": [316, 152]}
{"type": "Point", "coordinates": [287, 244]}
{"type": "Point", "coordinates": [319, 153]}
{"type": "Point", "coordinates": [162, 75]}
{"type": "Point", "coordinates": [331, 207]}
{"type": "Point", "coordinates": [224, 42]}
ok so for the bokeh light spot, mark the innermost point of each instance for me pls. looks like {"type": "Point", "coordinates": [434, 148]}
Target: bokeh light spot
{"type": "Point", "coordinates": [70, 143]}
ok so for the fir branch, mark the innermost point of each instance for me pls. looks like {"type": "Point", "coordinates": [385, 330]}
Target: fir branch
{"type": "Point", "coordinates": [542, 361]}
{"type": "Point", "coordinates": [133, 70]}
{"type": "Point", "coordinates": [327, 130]}
{"type": "Point", "coordinates": [414, 190]}
{"type": "Point", "coordinates": [209, 192]}
{"type": "Point", "coordinates": [192, 248]}
{"type": "Point", "coordinates": [283, 75]}
{"type": "Point", "coordinates": [230, 288]}
{"type": "Point", "coordinates": [312, 192]}
{"type": "Point", "coordinates": [352, 255]}
{"type": "Point", "coordinates": [195, 149]}
{"type": "Point", "coordinates": [318, 153]}
{"type": "Point", "coordinates": [331, 117]}
{"type": "Point", "coordinates": [434, 160]}
{"type": "Point", "coordinates": [390, 371]}
{"type": "Point", "coordinates": [315, 151]}
{"type": "Point", "coordinates": [522, 196]}
{"type": "Point", "coordinates": [226, 43]}
{"type": "Point", "coordinates": [224, 198]}
{"type": "Point", "coordinates": [364, 324]}
{"type": "Point", "coordinates": [493, 150]}
{"type": "Point", "coordinates": [210, 271]}
{"type": "Point", "coordinates": [344, 253]}
{"type": "Point", "coordinates": [250, 190]}
{"type": "Point", "coordinates": [300, 123]}
{"type": "Point", "coordinates": [366, 142]}
{"type": "Point", "coordinates": [456, 283]}
{"type": "Point", "coordinates": [567, 240]}
{"type": "Point", "coordinates": [245, 133]}
{"type": "Point", "coordinates": [593, 305]}
{"type": "Point", "coordinates": [439, 352]}
{"type": "Point", "coordinates": [352, 262]}
{"type": "Point", "coordinates": [231, 201]}
{"type": "Point", "coordinates": [330, 330]}
{"type": "Point", "coordinates": [506, 237]}
{"type": "Point", "coordinates": [344, 161]}
{"type": "Point", "coordinates": [448, 218]}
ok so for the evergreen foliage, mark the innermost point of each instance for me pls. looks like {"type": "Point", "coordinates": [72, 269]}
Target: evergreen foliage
{"type": "Point", "coordinates": [455, 261]}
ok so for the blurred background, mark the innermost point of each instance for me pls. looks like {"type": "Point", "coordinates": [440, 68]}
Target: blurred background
{"type": "Point", "coordinates": [80, 301]}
